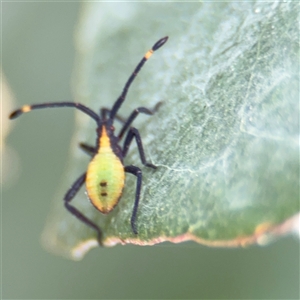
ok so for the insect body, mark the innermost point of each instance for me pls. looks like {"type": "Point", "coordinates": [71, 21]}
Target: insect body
{"type": "Point", "coordinates": [105, 175]}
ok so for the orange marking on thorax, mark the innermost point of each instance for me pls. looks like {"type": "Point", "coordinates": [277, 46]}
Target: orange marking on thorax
{"type": "Point", "coordinates": [104, 140]}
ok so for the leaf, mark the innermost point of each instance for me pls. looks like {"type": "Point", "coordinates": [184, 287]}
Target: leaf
{"type": "Point", "coordinates": [225, 139]}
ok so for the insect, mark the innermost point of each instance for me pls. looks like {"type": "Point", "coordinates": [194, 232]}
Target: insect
{"type": "Point", "coordinates": [105, 174]}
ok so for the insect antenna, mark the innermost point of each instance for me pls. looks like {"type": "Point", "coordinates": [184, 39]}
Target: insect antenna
{"type": "Point", "coordinates": [28, 108]}
{"type": "Point", "coordinates": [122, 97]}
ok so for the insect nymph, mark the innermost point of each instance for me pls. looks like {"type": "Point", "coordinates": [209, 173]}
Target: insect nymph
{"type": "Point", "coordinates": [105, 175]}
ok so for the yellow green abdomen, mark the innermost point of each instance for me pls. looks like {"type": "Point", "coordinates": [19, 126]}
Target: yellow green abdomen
{"type": "Point", "coordinates": [105, 180]}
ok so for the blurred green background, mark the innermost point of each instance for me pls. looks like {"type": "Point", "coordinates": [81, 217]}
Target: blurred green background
{"type": "Point", "coordinates": [38, 56]}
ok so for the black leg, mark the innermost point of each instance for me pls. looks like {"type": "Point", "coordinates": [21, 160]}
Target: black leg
{"type": "Point", "coordinates": [135, 113]}
{"type": "Point", "coordinates": [74, 211]}
{"type": "Point", "coordinates": [133, 133]}
{"type": "Point", "coordinates": [90, 150]}
{"type": "Point", "coordinates": [138, 173]}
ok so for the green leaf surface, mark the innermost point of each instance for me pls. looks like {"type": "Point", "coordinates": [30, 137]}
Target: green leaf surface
{"type": "Point", "coordinates": [225, 140]}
